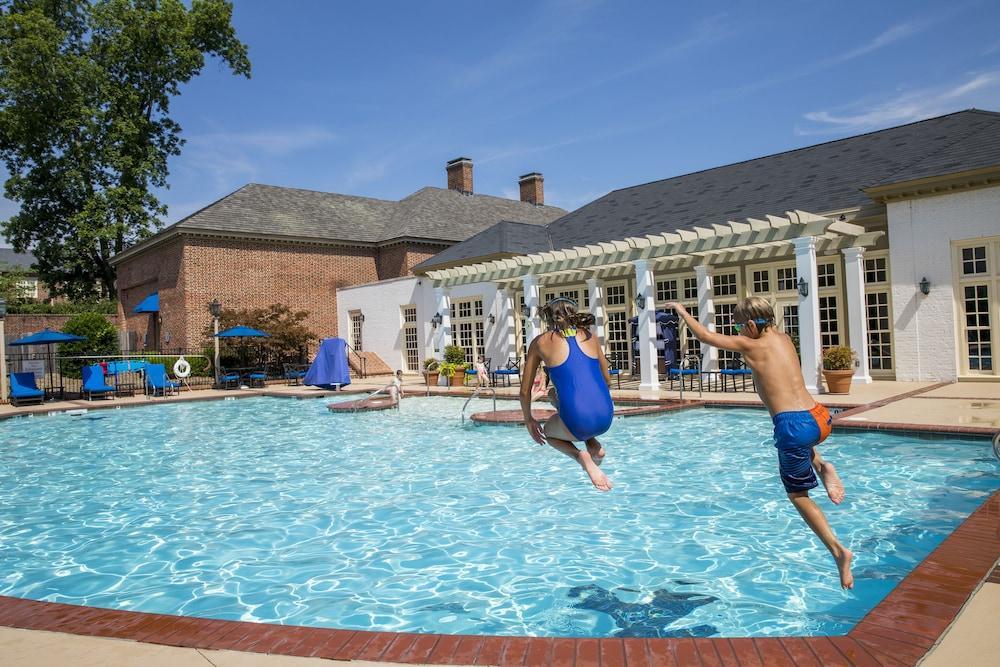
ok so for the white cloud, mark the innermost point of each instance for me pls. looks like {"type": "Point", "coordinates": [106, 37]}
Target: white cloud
{"type": "Point", "coordinates": [977, 90]}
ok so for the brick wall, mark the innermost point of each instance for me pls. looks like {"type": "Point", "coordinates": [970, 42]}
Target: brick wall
{"type": "Point", "coordinates": [18, 326]}
{"type": "Point", "coordinates": [156, 270]}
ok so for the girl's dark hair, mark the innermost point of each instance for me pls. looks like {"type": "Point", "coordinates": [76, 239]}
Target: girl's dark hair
{"type": "Point", "coordinates": [561, 314]}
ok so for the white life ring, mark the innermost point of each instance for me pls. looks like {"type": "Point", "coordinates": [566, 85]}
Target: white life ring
{"type": "Point", "coordinates": [182, 368]}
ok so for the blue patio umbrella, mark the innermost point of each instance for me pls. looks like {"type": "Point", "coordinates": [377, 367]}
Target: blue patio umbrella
{"type": "Point", "coordinates": [242, 332]}
{"type": "Point", "coordinates": [48, 337]}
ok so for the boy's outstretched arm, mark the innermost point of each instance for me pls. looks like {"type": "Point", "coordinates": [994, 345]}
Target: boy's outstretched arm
{"type": "Point", "coordinates": [733, 343]}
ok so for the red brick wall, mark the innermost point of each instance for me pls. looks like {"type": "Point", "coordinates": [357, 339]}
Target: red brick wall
{"type": "Point", "coordinates": [159, 269]}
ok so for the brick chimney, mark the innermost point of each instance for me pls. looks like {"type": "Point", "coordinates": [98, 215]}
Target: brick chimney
{"type": "Point", "coordinates": [460, 175]}
{"type": "Point", "coordinates": [532, 188]}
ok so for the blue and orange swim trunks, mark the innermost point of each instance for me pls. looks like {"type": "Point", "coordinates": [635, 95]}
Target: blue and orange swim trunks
{"type": "Point", "coordinates": [795, 435]}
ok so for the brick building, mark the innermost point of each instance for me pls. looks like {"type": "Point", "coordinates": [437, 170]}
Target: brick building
{"type": "Point", "coordinates": [262, 245]}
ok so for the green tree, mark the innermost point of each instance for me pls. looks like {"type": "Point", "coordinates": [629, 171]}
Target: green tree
{"type": "Point", "coordinates": [101, 340]}
{"type": "Point", "coordinates": [10, 285]}
{"type": "Point", "coordinates": [289, 337]}
{"type": "Point", "coordinates": [85, 130]}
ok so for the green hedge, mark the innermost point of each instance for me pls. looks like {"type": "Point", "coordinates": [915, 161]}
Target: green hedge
{"type": "Point", "coordinates": [199, 365]}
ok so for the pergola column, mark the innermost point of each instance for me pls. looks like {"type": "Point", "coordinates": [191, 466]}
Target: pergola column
{"type": "Point", "coordinates": [530, 283]}
{"type": "Point", "coordinates": [706, 315]}
{"type": "Point", "coordinates": [507, 339]}
{"type": "Point", "coordinates": [857, 321]}
{"type": "Point", "coordinates": [442, 301]}
{"type": "Point", "coordinates": [649, 378]}
{"type": "Point", "coordinates": [595, 294]}
{"type": "Point", "coordinates": [809, 340]}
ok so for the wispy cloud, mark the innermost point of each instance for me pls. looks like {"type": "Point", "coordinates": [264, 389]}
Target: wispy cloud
{"type": "Point", "coordinates": [980, 90]}
{"type": "Point", "coordinates": [883, 39]}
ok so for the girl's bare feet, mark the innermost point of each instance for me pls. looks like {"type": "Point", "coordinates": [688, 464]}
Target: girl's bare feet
{"type": "Point", "coordinates": [831, 481]}
{"type": "Point", "coordinates": [599, 479]}
{"type": "Point", "coordinates": [844, 566]}
{"type": "Point", "coordinates": [596, 451]}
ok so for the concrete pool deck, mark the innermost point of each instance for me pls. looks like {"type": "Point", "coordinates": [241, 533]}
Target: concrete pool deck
{"type": "Point", "coordinates": [943, 613]}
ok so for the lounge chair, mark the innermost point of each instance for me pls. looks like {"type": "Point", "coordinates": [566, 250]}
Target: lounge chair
{"type": "Point", "coordinates": [24, 390]}
{"type": "Point", "coordinates": [513, 368]}
{"type": "Point", "coordinates": [228, 379]}
{"type": "Point", "coordinates": [94, 382]}
{"type": "Point", "coordinates": [293, 374]}
{"type": "Point", "coordinates": [156, 380]}
{"type": "Point", "coordinates": [257, 377]}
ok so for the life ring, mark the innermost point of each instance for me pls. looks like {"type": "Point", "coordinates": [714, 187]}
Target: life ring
{"type": "Point", "coordinates": [182, 368]}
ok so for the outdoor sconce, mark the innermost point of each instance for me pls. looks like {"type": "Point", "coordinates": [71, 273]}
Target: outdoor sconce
{"type": "Point", "coordinates": [215, 308]}
{"type": "Point", "coordinates": [492, 319]}
{"type": "Point", "coordinates": [640, 302]}
{"type": "Point", "coordinates": [3, 307]}
{"type": "Point", "coordinates": [925, 286]}
{"type": "Point", "coordinates": [361, 316]}
{"type": "Point", "coordinates": [526, 312]}
{"type": "Point", "coordinates": [803, 287]}
{"type": "Point", "coordinates": [436, 320]}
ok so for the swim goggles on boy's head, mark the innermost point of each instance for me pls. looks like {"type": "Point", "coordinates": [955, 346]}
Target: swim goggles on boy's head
{"type": "Point", "coordinates": [561, 298]}
{"type": "Point", "coordinates": [759, 322]}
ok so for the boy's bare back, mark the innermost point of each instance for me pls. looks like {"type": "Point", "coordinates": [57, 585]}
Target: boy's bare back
{"type": "Point", "coordinates": [776, 372]}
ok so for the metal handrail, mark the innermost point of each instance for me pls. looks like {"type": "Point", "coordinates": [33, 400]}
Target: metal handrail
{"type": "Point", "coordinates": [686, 362]}
{"type": "Point", "coordinates": [362, 361]}
{"type": "Point", "coordinates": [476, 393]}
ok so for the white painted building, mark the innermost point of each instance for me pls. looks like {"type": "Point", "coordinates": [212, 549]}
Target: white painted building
{"type": "Point", "coordinates": [866, 225]}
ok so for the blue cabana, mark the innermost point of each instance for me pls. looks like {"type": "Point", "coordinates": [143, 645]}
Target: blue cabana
{"type": "Point", "coordinates": [151, 304]}
{"type": "Point", "coordinates": [329, 370]}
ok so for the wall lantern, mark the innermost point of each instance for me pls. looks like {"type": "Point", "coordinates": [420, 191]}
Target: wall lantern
{"type": "Point", "coordinates": [361, 316]}
{"type": "Point", "coordinates": [436, 320]}
{"type": "Point", "coordinates": [215, 308]}
{"type": "Point", "coordinates": [640, 302]}
{"type": "Point", "coordinates": [803, 287]}
{"type": "Point", "coordinates": [526, 312]}
{"type": "Point", "coordinates": [925, 286]}
{"type": "Point", "coordinates": [492, 319]}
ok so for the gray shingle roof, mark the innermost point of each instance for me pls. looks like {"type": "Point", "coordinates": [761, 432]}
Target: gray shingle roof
{"type": "Point", "coordinates": [430, 213]}
{"type": "Point", "coordinates": [825, 177]}
{"type": "Point", "coordinates": [504, 238]}
{"type": "Point", "coordinates": [10, 259]}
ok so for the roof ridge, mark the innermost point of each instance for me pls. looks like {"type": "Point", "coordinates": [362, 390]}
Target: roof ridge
{"type": "Point", "coordinates": [479, 194]}
{"type": "Point", "coordinates": [803, 148]}
{"type": "Point", "coordinates": [321, 192]}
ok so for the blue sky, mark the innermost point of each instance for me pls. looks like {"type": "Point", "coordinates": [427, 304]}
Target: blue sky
{"type": "Point", "coordinates": [373, 98]}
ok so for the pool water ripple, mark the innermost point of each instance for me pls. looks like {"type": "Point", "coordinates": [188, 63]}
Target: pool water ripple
{"type": "Point", "coordinates": [279, 511]}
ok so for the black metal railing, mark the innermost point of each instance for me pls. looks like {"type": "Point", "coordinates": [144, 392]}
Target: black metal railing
{"type": "Point", "coordinates": [362, 361]}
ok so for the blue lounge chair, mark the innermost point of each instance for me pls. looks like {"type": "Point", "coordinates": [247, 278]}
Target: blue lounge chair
{"type": "Point", "coordinates": [257, 378]}
{"type": "Point", "coordinates": [94, 383]}
{"type": "Point", "coordinates": [513, 368]}
{"type": "Point", "coordinates": [24, 390]}
{"type": "Point", "coordinates": [156, 380]}
{"type": "Point", "coordinates": [228, 379]}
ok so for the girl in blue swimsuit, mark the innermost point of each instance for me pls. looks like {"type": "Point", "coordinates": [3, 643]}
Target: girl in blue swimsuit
{"type": "Point", "coordinates": [579, 373]}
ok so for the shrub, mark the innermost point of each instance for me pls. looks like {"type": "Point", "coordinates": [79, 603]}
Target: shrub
{"type": "Point", "coordinates": [289, 337]}
{"type": "Point", "coordinates": [454, 354]}
{"type": "Point", "coordinates": [838, 358]}
{"type": "Point", "coordinates": [101, 340]}
{"type": "Point", "coordinates": [431, 364]}
{"type": "Point", "coordinates": [199, 365]}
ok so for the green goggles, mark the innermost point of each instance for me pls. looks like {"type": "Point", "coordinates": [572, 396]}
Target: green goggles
{"type": "Point", "coordinates": [739, 327]}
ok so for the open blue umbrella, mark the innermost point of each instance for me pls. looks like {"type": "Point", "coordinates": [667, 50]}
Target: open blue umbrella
{"type": "Point", "coordinates": [48, 337]}
{"type": "Point", "coordinates": [242, 332]}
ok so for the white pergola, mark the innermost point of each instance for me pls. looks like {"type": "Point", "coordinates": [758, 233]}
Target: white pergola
{"type": "Point", "coordinates": [796, 233]}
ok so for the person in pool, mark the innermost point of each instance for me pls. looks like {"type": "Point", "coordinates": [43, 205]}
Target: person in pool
{"type": "Point", "coordinates": [579, 373]}
{"type": "Point", "coordinates": [800, 424]}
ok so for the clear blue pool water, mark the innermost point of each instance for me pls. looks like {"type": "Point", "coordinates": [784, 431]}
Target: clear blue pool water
{"type": "Point", "coordinates": [276, 510]}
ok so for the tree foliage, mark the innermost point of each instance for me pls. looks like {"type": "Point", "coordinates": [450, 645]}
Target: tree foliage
{"type": "Point", "coordinates": [85, 130]}
{"type": "Point", "coordinates": [289, 337]}
{"type": "Point", "coordinates": [101, 340]}
{"type": "Point", "coordinates": [11, 289]}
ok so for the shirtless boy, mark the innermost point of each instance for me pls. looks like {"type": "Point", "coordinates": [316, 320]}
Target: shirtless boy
{"type": "Point", "coordinates": [799, 422]}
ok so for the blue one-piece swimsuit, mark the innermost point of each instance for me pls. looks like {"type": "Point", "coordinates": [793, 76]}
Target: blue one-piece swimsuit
{"type": "Point", "coordinates": [584, 400]}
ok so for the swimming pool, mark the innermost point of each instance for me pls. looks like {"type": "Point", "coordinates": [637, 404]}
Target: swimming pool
{"type": "Point", "coordinates": [276, 510]}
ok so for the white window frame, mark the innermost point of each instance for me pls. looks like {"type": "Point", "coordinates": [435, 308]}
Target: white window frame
{"type": "Point", "coordinates": [991, 279]}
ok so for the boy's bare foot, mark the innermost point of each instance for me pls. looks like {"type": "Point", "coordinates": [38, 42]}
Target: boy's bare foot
{"type": "Point", "coordinates": [831, 481]}
{"type": "Point", "coordinates": [599, 479]}
{"type": "Point", "coordinates": [844, 566]}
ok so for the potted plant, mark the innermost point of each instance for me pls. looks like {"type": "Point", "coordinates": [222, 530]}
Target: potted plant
{"type": "Point", "coordinates": [838, 368]}
{"type": "Point", "coordinates": [454, 357]}
{"type": "Point", "coordinates": [431, 370]}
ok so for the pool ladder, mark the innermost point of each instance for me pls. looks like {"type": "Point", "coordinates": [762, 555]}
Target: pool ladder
{"type": "Point", "coordinates": [686, 363]}
{"type": "Point", "coordinates": [996, 446]}
{"type": "Point", "coordinates": [476, 393]}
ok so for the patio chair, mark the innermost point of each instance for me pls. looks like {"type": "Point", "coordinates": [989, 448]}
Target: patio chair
{"type": "Point", "coordinates": [94, 382]}
{"type": "Point", "coordinates": [473, 373]}
{"type": "Point", "coordinates": [733, 369]}
{"type": "Point", "coordinates": [294, 374]}
{"type": "Point", "coordinates": [513, 368]}
{"type": "Point", "coordinates": [691, 371]}
{"type": "Point", "coordinates": [24, 390]}
{"type": "Point", "coordinates": [257, 377]}
{"type": "Point", "coordinates": [156, 380]}
{"type": "Point", "coordinates": [228, 379]}
{"type": "Point", "coordinates": [613, 368]}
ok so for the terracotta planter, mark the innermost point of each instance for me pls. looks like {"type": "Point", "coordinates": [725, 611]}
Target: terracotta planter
{"type": "Point", "coordinates": [432, 378]}
{"type": "Point", "coordinates": [838, 382]}
{"type": "Point", "coordinates": [458, 379]}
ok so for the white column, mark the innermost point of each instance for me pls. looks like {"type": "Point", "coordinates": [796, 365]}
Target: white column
{"type": "Point", "coordinates": [857, 321]}
{"type": "Point", "coordinates": [648, 375]}
{"type": "Point", "coordinates": [508, 331]}
{"type": "Point", "coordinates": [595, 294]}
{"type": "Point", "coordinates": [809, 340]}
{"type": "Point", "coordinates": [442, 302]}
{"type": "Point", "coordinates": [706, 315]}
{"type": "Point", "coordinates": [530, 283]}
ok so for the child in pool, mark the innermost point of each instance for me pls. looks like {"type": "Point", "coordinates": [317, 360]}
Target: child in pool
{"type": "Point", "coordinates": [579, 371]}
{"type": "Point", "coordinates": [800, 424]}
{"type": "Point", "coordinates": [395, 388]}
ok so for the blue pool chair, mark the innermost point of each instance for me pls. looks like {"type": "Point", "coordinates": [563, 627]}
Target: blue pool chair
{"type": "Point", "coordinates": [736, 368]}
{"type": "Point", "coordinates": [685, 374]}
{"type": "Point", "coordinates": [294, 375]}
{"type": "Point", "coordinates": [228, 379]}
{"type": "Point", "coordinates": [613, 369]}
{"type": "Point", "coordinates": [257, 377]}
{"type": "Point", "coordinates": [24, 390]}
{"type": "Point", "coordinates": [157, 382]}
{"type": "Point", "coordinates": [513, 368]}
{"type": "Point", "coordinates": [94, 383]}
{"type": "Point", "coordinates": [472, 373]}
